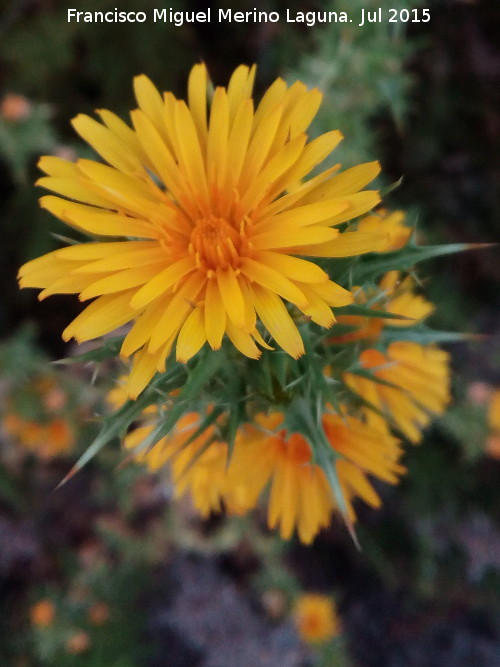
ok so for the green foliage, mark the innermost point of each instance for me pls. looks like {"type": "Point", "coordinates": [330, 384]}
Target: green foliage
{"type": "Point", "coordinates": [357, 87]}
{"type": "Point", "coordinates": [23, 140]}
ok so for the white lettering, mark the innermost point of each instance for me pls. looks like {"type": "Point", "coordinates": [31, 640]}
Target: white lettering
{"type": "Point", "coordinates": [311, 18]}
{"type": "Point", "coordinates": [160, 15]}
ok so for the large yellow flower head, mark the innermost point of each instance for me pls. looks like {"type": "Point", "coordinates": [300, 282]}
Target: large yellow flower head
{"type": "Point", "coordinates": [201, 219]}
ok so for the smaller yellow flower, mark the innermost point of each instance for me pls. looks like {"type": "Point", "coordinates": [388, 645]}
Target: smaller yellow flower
{"type": "Point", "coordinates": [45, 440]}
{"type": "Point", "coordinates": [316, 618]}
{"type": "Point", "coordinates": [398, 297]}
{"type": "Point", "coordinates": [300, 496]}
{"type": "Point", "coordinates": [420, 375]}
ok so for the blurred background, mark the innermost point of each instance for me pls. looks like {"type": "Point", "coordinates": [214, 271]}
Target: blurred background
{"type": "Point", "coordinates": [108, 570]}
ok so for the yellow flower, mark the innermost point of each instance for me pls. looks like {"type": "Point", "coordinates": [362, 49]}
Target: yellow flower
{"type": "Point", "coordinates": [316, 618]}
{"type": "Point", "coordinates": [420, 375]}
{"type": "Point", "coordinates": [15, 108]}
{"type": "Point", "coordinates": [207, 214]}
{"type": "Point", "coordinates": [300, 496]}
{"type": "Point", "coordinates": [398, 297]}
{"type": "Point", "coordinates": [46, 440]}
{"type": "Point", "coordinates": [42, 613]}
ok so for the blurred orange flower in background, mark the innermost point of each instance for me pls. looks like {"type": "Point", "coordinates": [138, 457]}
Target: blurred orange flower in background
{"type": "Point", "coordinates": [316, 618]}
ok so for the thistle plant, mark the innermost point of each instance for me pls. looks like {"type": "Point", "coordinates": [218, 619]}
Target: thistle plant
{"type": "Point", "coordinates": [277, 336]}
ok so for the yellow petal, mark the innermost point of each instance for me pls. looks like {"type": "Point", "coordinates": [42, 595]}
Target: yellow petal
{"type": "Point", "coordinates": [303, 216]}
{"type": "Point", "coordinates": [331, 293]}
{"type": "Point", "coordinates": [104, 315]}
{"type": "Point", "coordinates": [242, 341]}
{"type": "Point", "coordinates": [163, 162]}
{"type": "Point", "coordinates": [215, 315]}
{"type": "Point", "coordinates": [218, 132]}
{"type": "Point", "coordinates": [250, 315]}
{"type": "Point", "coordinates": [317, 309]}
{"type": "Point", "coordinates": [56, 166]}
{"type": "Point", "coordinates": [76, 187]}
{"type": "Point", "coordinates": [44, 270]}
{"type": "Point", "coordinates": [239, 87]}
{"type": "Point", "coordinates": [181, 305]}
{"type": "Point", "coordinates": [150, 101]}
{"type": "Point", "coordinates": [291, 198]}
{"type": "Point", "coordinates": [272, 97]}
{"type": "Point", "coordinates": [231, 296]}
{"type": "Point", "coordinates": [356, 480]}
{"type": "Point", "coordinates": [190, 156]}
{"type": "Point", "coordinates": [85, 251]}
{"type": "Point", "coordinates": [107, 145]}
{"type": "Point", "coordinates": [304, 111]}
{"type": "Point", "coordinates": [121, 280]}
{"type": "Point", "coordinates": [96, 221]}
{"type": "Point", "coordinates": [357, 204]}
{"type": "Point", "coordinates": [258, 338]}
{"type": "Point", "coordinates": [346, 183]}
{"type": "Point", "coordinates": [68, 284]}
{"type": "Point", "coordinates": [273, 280]}
{"type": "Point", "coordinates": [292, 267]}
{"type": "Point", "coordinates": [260, 145]}
{"type": "Point", "coordinates": [239, 138]}
{"type": "Point", "coordinates": [275, 317]}
{"type": "Point", "coordinates": [276, 167]}
{"type": "Point", "coordinates": [123, 191]}
{"type": "Point", "coordinates": [140, 332]}
{"type": "Point", "coordinates": [143, 369]}
{"type": "Point", "coordinates": [314, 153]}
{"type": "Point", "coordinates": [197, 99]}
{"type": "Point", "coordinates": [295, 237]}
{"type": "Point", "coordinates": [125, 135]}
{"type": "Point", "coordinates": [345, 245]}
{"type": "Point", "coordinates": [162, 282]}
{"type": "Point", "coordinates": [126, 257]}
{"type": "Point", "coordinates": [192, 335]}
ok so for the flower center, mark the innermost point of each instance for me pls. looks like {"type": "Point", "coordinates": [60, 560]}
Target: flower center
{"type": "Point", "coordinates": [215, 244]}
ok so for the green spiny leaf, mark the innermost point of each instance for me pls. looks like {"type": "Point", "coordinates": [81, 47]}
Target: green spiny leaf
{"type": "Point", "coordinates": [110, 348]}
{"type": "Point", "coordinates": [113, 426]}
{"type": "Point", "coordinates": [425, 336]}
{"type": "Point", "coordinates": [406, 258]}
{"type": "Point", "coordinates": [366, 311]}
